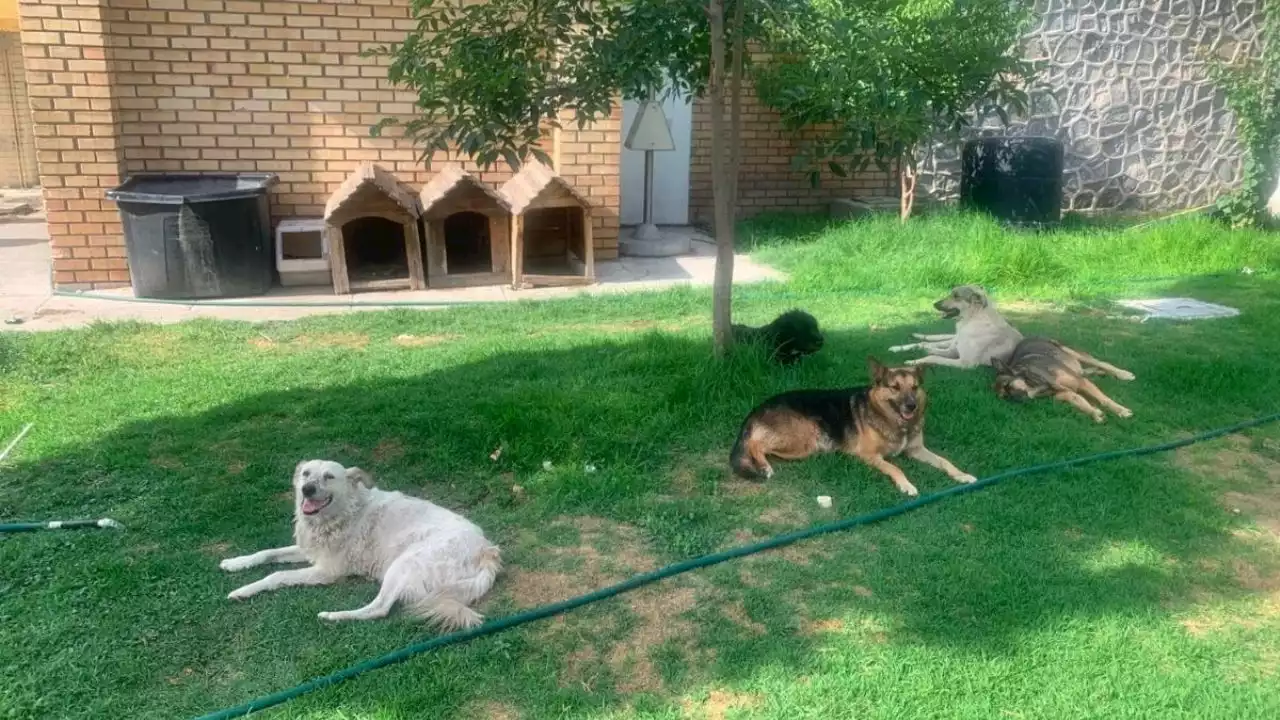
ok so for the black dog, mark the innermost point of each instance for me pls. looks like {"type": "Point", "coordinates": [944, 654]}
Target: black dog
{"type": "Point", "coordinates": [790, 336]}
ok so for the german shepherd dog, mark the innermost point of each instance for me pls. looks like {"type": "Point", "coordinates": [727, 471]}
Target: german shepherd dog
{"type": "Point", "coordinates": [871, 422]}
{"type": "Point", "coordinates": [1040, 367]}
{"type": "Point", "coordinates": [791, 336]}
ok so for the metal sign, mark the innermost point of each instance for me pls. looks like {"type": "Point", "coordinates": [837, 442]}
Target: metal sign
{"type": "Point", "coordinates": [650, 130]}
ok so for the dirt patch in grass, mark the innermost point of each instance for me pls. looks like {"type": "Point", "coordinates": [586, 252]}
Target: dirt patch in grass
{"type": "Point", "coordinates": [784, 514]}
{"type": "Point", "coordinates": [826, 625]}
{"type": "Point", "coordinates": [216, 549]}
{"type": "Point", "coordinates": [741, 488]}
{"type": "Point", "coordinates": [422, 340]}
{"type": "Point", "coordinates": [1263, 608]}
{"type": "Point", "coordinates": [167, 462]}
{"type": "Point", "coordinates": [738, 614]}
{"type": "Point", "coordinates": [658, 612]}
{"type": "Point", "coordinates": [867, 629]}
{"type": "Point", "coordinates": [798, 553]}
{"type": "Point", "coordinates": [491, 710]}
{"type": "Point", "coordinates": [1254, 477]}
{"type": "Point", "coordinates": [607, 552]}
{"type": "Point", "coordinates": [347, 340]}
{"type": "Point", "coordinates": [718, 704]}
{"type": "Point", "coordinates": [388, 449]}
{"type": "Point", "coordinates": [685, 474]}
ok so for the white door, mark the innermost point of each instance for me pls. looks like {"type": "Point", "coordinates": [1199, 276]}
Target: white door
{"type": "Point", "coordinates": [670, 169]}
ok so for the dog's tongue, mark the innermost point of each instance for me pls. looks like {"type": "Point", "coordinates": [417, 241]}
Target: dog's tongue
{"type": "Point", "coordinates": [310, 505]}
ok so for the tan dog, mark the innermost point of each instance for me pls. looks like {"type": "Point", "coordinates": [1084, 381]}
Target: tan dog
{"type": "Point", "coordinates": [982, 334]}
{"type": "Point", "coordinates": [1040, 367]}
{"type": "Point", "coordinates": [870, 422]}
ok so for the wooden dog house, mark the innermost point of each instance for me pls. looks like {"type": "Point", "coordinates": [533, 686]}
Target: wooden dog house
{"type": "Point", "coordinates": [371, 222]}
{"type": "Point", "coordinates": [467, 230]}
{"type": "Point", "coordinates": [550, 229]}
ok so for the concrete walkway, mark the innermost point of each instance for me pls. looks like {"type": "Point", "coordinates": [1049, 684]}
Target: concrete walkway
{"type": "Point", "coordinates": [27, 301]}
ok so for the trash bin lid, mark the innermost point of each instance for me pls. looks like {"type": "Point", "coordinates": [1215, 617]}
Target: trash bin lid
{"type": "Point", "coordinates": [176, 189]}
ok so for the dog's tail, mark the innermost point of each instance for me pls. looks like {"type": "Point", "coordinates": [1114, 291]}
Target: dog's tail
{"type": "Point", "coordinates": [739, 461]}
{"type": "Point", "coordinates": [446, 612]}
{"type": "Point", "coordinates": [450, 609]}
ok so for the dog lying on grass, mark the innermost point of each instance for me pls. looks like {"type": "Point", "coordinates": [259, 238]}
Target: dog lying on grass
{"type": "Point", "coordinates": [791, 336]}
{"type": "Point", "coordinates": [1040, 367]}
{"type": "Point", "coordinates": [870, 422]}
{"type": "Point", "coordinates": [982, 333]}
{"type": "Point", "coordinates": [433, 561]}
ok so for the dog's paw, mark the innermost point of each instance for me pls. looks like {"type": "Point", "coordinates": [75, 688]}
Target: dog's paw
{"type": "Point", "coordinates": [900, 348]}
{"type": "Point", "coordinates": [329, 616]}
{"type": "Point", "coordinates": [909, 490]}
{"type": "Point", "coordinates": [239, 594]}
{"type": "Point", "coordinates": [235, 564]}
{"type": "Point", "coordinates": [966, 478]}
{"type": "Point", "coordinates": [1098, 416]}
{"type": "Point", "coordinates": [913, 361]}
{"type": "Point", "coordinates": [920, 336]}
{"type": "Point", "coordinates": [768, 473]}
{"type": "Point", "coordinates": [1124, 412]}
{"type": "Point", "coordinates": [1124, 375]}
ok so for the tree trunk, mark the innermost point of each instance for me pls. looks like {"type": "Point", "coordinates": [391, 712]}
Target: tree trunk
{"type": "Point", "coordinates": [907, 175]}
{"type": "Point", "coordinates": [735, 101]}
{"type": "Point", "coordinates": [722, 188]}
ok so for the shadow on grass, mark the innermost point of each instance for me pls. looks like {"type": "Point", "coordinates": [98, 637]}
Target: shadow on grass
{"type": "Point", "coordinates": [118, 622]}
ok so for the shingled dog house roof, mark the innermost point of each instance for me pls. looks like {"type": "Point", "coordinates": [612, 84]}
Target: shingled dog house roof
{"type": "Point", "coordinates": [523, 189]}
{"type": "Point", "coordinates": [370, 175]}
{"type": "Point", "coordinates": [450, 177]}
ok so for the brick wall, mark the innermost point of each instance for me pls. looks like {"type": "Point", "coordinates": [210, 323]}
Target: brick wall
{"type": "Point", "coordinates": [17, 141]}
{"type": "Point", "coordinates": [122, 86]}
{"type": "Point", "coordinates": [768, 182]}
{"type": "Point", "coordinates": [77, 137]}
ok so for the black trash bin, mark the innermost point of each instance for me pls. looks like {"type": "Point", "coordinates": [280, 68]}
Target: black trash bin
{"type": "Point", "coordinates": [197, 236]}
{"type": "Point", "coordinates": [1017, 179]}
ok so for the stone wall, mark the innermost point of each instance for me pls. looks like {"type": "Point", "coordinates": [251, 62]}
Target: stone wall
{"type": "Point", "coordinates": [1126, 92]}
{"type": "Point", "coordinates": [123, 86]}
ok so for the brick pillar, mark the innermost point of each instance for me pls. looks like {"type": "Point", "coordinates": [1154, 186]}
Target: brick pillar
{"type": "Point", "coordinates": [590, 159]}
{"type": "Point", "coordinates": [66, 47]}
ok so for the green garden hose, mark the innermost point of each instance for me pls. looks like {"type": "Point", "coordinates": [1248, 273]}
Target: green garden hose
{"type": "Point", "coordinates": [639, 581]}
{"type": "Point", "coordinates": [59, 525]}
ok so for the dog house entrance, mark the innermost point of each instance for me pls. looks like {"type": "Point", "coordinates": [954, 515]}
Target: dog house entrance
{"type": "Point", "coordinates": [553, 241]}
{"type": "Point", "coordinates": [375, 251]}
{"type": "Point", "coordinates": [467, 245]}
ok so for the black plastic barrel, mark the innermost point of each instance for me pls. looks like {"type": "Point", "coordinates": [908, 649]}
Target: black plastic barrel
{"type": "Point", "coordinates": [1017, 179]}
{"type": "Point", "coordinates": [197, 236]}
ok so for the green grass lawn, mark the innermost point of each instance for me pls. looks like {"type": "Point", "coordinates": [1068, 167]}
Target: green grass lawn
{"type": "Point", "coordinates": [1142, 588]}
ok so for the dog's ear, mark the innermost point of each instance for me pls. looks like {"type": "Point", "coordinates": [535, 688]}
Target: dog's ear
{"type": "Point", "coordinates": [358, 477]}
{"type": "Point", "coordinates": [875, 369]}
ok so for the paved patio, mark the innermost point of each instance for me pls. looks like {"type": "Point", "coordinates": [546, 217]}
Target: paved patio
{"type": "Point", "coordinates": [27, 301]}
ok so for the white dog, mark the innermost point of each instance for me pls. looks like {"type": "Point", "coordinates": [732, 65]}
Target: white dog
{"type": "Point", "coordinates": [982, 334]}
{"type": "Point", "coordinates": [435, 561]}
